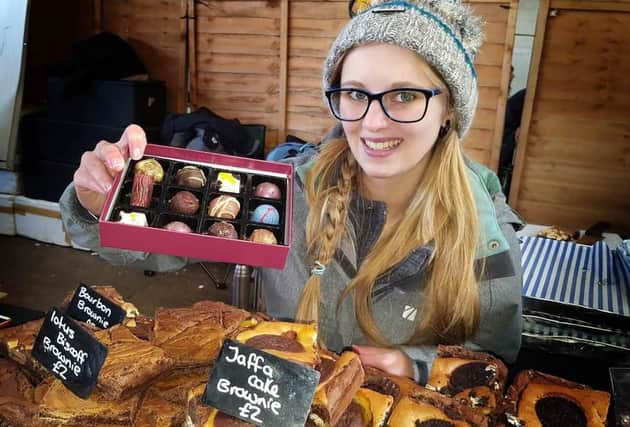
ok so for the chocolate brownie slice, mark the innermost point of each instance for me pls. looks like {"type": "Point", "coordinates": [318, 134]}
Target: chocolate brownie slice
{"type": "Point", "coordinates": [16, 343]}
{"type": "Point", "coordinates": [477, 379]}
{"type": "Point", "coordinates": [59, 406]}
{"type": "Point", "coordinates": [542, 399]}
{"type": "Point", "coordinates": [130, 362]}
{"type": "Point", "coordinates": [193, 336]}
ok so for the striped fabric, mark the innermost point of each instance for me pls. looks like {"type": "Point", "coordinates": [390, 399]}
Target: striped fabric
{"type": "Point", "coordinates": [588, 276]}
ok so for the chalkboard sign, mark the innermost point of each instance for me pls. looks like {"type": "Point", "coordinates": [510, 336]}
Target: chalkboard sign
{"type": "Point", "coordinates": [260, 388]}
{"type": "Point", "coordinates": [69, 352]}
{"type": "Point", "coordinates": [91, 307]}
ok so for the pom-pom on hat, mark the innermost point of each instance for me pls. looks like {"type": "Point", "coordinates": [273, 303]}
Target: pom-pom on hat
{"type": "Point", "coordinates": [444, 32]}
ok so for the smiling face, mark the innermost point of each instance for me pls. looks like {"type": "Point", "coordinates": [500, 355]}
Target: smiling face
{"type": "Point", "coordinates": [387, 150]}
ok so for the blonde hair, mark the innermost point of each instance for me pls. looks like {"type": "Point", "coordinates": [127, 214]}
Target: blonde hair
{"type": "Point", "coordinates": [442, 212]}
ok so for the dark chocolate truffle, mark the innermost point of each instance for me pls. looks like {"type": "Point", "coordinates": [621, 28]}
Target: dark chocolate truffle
{"type": "Point", "coordinates": [223, 229]}
{"type": "Point", "coordinates": [224, 207]}
{"type": "Point", "coordinates": [180, 227]}
{"type": "Point", "coordinates": [262, 235]}
{"type": "Point", "coordinates": [268, 190]}
{"type": "Point", "coordinates": [184, 202]}
{"type": "Point", "coordinates": [190, 176]}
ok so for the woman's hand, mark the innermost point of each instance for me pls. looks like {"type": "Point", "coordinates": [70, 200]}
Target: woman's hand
{"type": "Point", "coordinates": [392, 361]}
{"type": "Point", "coordinates": [96, 172]}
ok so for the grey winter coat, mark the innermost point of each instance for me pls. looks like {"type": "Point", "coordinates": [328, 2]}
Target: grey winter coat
{"type": "Point", "coordinates": [397, 297]}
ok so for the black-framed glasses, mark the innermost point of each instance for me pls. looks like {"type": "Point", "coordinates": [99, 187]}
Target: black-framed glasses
{"type": "Point", "coordinates": [402, 105]}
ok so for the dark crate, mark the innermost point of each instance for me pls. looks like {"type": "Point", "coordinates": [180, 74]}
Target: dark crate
{"type": "Point", "coordinates": [112, 103]}
{"type": "Point", "coordinates": [43, 138]}
{"type": "Point", "coordinates": [47, 180]}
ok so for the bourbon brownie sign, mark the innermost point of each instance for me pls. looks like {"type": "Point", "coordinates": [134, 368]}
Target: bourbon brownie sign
{"type": "Point", "coordinates": [69, 352]}
{"type": "Point", "coordinates": [91, 307]}
{"type": "Point", "coordinates": [260, 388]}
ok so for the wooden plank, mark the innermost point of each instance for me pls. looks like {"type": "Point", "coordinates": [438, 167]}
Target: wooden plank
{"type": "Point", "coordinates": [316, 28]}
{"type": "Point", "coordinates": [303, 66]}
{"type": "Point", "coordinates": [239, 101]}
{"type": "Point", "coordinates": [310, 46]}
{"type": "Point", "coordinates": [578, 151]}
{"type": "Point", "coordinates": [575, 217]}
{"type": "Point", "coordinates": [270, 120]}
{"type": "Point", "coordinates": [495, 32]}
{"type": "Point", "coordinates": [155, 8]}
{"type": "Point", "coordinates": [598, 179]}
{"type": "Point", "coordinates": [308, 83]}
{"type": "Point", "coordinates": [478, 155]}
{"type": "Point", "coordinates": [233, 8]}
{"type": "Point", "coordinates": [319, 10]}
{"type": "Point", "coordinates": [478, 138]}
{"type": "Point", "coordinates": [312, 137]}
{"type": "Point", "coordinates": [506, 77]}
{"type": "Point", "coordinates": [284, 65]}
{"type": "Point", "coordinates": [238, 25]}
{"type": "Point", "coordinates": [521, 147]}
{"type": "Point", "coordinates": [488, 75]}
{"type": "Point", "coordinates": [622, 6]}
{"type": "Point", "coordinates": [492, 12]}
{"type": "Point", "coordinates": [241, 64]}
{"type": "Point", "coordinates": [491, 54]}
{"type": "Point", "coordinates": [310, 123]}
{"type": "Point", "coordinates": [252, 83]}
{"type": "Point", "coordinates": [484, 119]}
{"type": "Point", "coordinates": [239, 43]}
{"type": "Point", "coordinates": [191, 55]}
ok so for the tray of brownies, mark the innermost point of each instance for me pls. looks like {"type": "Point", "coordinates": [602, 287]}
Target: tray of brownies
{"type": "Point", "coordinates": [157, 369]}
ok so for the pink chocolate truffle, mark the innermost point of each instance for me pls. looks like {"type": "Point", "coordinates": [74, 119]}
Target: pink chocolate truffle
{"type": "Point", "coordinates": [268, 190]}
{"type": "Point", "coordinates": [180, 227]}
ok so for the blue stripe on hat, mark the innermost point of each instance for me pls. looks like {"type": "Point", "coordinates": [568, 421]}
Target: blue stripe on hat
{"type": "Point", "coordinates": [435, 18]}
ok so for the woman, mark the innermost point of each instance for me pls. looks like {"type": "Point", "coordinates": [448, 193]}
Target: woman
{"type": "Point", "coordinates": [406, 244]}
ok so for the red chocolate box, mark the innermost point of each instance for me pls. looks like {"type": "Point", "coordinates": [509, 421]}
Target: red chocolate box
{"type": "Point", "coordinates": [225, 175]}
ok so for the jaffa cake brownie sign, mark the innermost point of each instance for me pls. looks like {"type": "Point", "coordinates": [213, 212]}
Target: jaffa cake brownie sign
{"type": "Point", "coordinates": [91, 307]}
{"type": "Point", "coordinates": [69, 352]}
{"type": "Point", "coordinates": [260, 388]}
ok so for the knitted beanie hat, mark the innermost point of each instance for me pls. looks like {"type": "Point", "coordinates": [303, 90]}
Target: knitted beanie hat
{"type": "Point", "coordinates": [444, 32]}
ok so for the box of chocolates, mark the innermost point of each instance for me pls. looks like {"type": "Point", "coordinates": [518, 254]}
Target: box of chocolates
{"type": "Point", "coordinates": [201, 205]}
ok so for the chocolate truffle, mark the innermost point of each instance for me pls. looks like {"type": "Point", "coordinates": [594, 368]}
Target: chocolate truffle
{"type": "Point", "coordinates": [268, 190]}
{"type": "Point", "coordinates": [229, 183]}
{"type": "Point", "coordinates": [261, 235]}
{"type": "Point", "coordinates": [180, 227]}
{"type": "Point", "coordinates": [190, 176]}
{"type": "Point", "coordinates": [133, 218]}
{"type": "Point", "coordinates": [224, 207]}
{"type": "Point", "coordinates": [265, 214]}
{"type": "Point", "coordinates": [146, 173]}
{"type": "Point", "coordinates": [184, 202]}
{"type": "Point", "coordinates": [223, 229]}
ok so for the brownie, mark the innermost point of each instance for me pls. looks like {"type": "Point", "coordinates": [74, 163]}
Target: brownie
{"type": "Point", "coordinates": [334, 394]}
{"type": "Point", "coordinates": [174, 385]}
{"type": "Point", "coordinates": [59, 406]}
{"type": "Point", "coordinates": [200, 415]}
{"type": "Point", "coordinates": [424, 407]}
{"type": "Point", "coordinates": [17, 406]}
{"type": "Point", "coordinates": [130, 362]}
{"type": "Point", "coordinates": [193, 336]}
{"type": "Point", "coordinates": [16, 343]}
{"type": "Point", "coordinates": [475, 378]}
{"type": "Point", "coordinates": [296, 342]}
{"type": "Point", "coordinates": [538, 398]}
{"type": "Point", "coordinates": [157, 412]}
